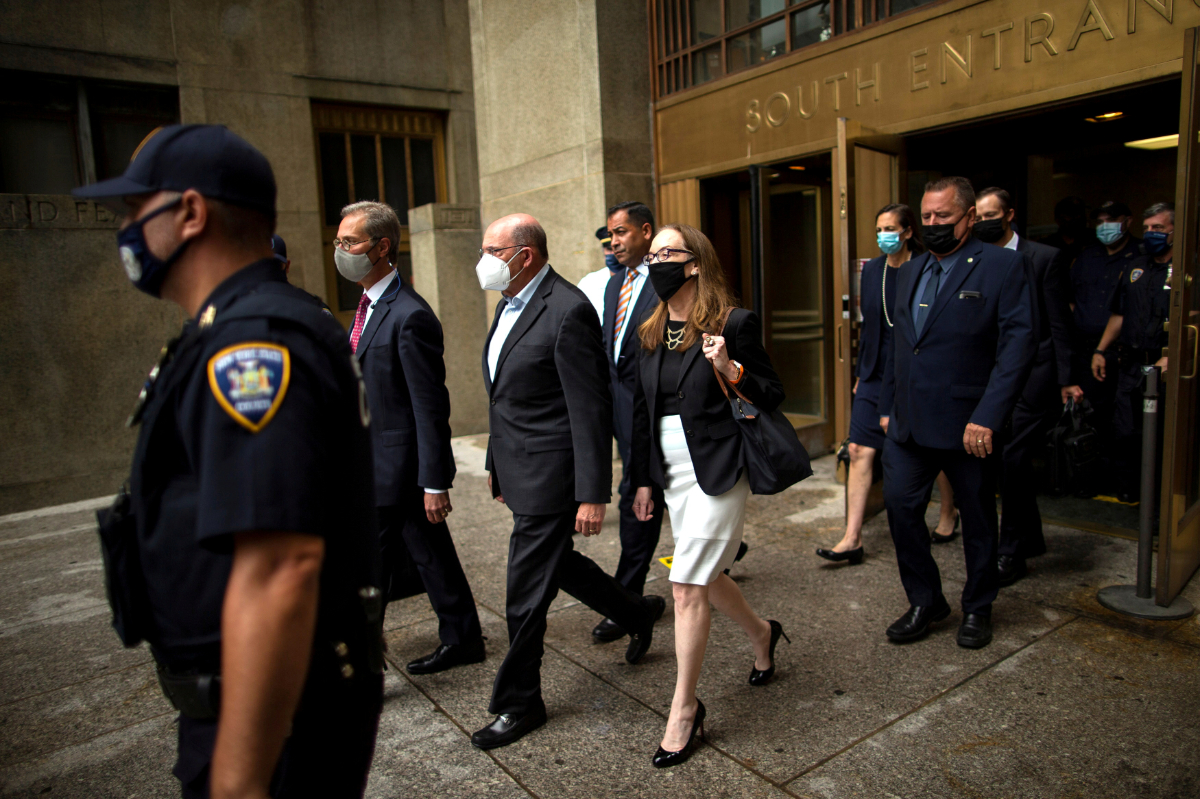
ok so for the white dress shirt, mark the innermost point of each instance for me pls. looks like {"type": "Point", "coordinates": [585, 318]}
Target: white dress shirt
{"type": "Point", "coordinates": [594, 284]}
{"type": "Point", "coordinates": [643, 273]}
{"type": "Point", "coordinates": [1012, 243]}
{"type": "Point", "coordinates": [509, 317]}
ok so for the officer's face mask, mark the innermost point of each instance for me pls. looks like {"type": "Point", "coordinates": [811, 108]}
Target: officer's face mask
{"type": "Point", "coordinates": [353, 267]}
{"type": "Point", "coordinates": [889, 241]}
{"type": "Point", "coordinates": [1110, 233]}
{"type": "Point", "coordinates": [989, 231]}
{"type": "Point", "coordinates": [611, 262]}
{"type": "Point", "coordinates": [1157, 242]}
{"type": "Point", "coordinates": [494, 274]}
{"type": "Point", "coordinates": [143, 268]}
{"type": "Point", "coordinates": [941, 239]}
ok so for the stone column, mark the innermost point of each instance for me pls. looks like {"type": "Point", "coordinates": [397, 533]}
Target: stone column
{"type": "Point", "coordinates": [445, 247]}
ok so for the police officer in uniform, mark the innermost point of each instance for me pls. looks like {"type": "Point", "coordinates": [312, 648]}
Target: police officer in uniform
{"type": "Point", "coordinates": [244, 550]}
{"type": "Point", "coordinates": [1140, 306]}
{"type": "Point", "coordinates": [1094, 277]}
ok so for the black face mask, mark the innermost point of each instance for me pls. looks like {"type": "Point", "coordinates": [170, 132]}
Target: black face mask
{"type": "Point", "coordinates": [940, 239]}
{"type": "Point", "coordinates": [667, 278]}
{"type": "Point", "coordinates": [989, 231]}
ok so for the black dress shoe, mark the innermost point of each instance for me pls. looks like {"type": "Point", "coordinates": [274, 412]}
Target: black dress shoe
{"type": "Point", "coordinates": [508, 728]}
{"type": "Point", "coordinates": [665, 759]}
{"type": "Point", "coordinates": [915, 623]}
{"type": "Point", "coordinates": [855, 556]}
{"type": "Point", "coordinates": [639, 644]}
{"type": "Point", "coordinates": [975, 632]}
{"type": "Point", "coordinates": [938, 538]}
{"type": "Point", "coordinates": [1010, 568]}
{"type": "Point", "coordinates": [607, 631]}
{"type": "Point", "coordinates": [763, 676]}
{"type": "Point", "coordinates": [447, 656]}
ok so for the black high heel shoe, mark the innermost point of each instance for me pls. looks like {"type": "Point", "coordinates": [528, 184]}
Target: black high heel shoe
{"type": "Point", "coordinates": [665, 759]}
{"type": "Point", "coordinates": [855, 556]}
{"type": "Point", "coordinates": [764, 676]}
{"type": "Point", "coordinates": [938, 538]}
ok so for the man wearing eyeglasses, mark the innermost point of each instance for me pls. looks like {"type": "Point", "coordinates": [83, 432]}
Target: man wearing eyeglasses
{"type": "Point", "coordinates": [397, 339]}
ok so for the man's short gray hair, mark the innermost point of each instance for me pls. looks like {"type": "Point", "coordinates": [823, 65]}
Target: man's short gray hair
{"type": "Point", "coordinates": [379, 222]}
{"type": "Point", "coordinates": [964, 192]}
{"type": "Point", "coordinates": [1160, 208]}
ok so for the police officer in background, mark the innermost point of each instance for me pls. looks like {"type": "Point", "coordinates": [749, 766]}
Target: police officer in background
{"type": "Point", "coordinates": [245, 550]}
{"type": "Point", "coordinates": [1094, 277]}
{"type": "Point", "coordinates": [1140, 306]}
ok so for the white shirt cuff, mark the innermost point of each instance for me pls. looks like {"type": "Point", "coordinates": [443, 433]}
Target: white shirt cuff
{"type": "Point", "coordinates": [436, 490]}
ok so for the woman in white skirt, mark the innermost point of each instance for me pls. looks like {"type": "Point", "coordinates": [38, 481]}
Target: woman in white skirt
{"type": "Point", "coordinates": [686, 440]}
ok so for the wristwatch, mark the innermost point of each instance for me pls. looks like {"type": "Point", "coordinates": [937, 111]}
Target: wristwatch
{"type": "Point", "coordinates": [1098, 352]}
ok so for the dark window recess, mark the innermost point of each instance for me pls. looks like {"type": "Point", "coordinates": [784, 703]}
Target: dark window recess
{"type": "Point", "coordinates": [334, 177]}
{"type": "Point", "coordinates": [122, 116]}
{"type": "Point", "coordinates": [366, 172]}
{"type": "Point", "coordinates": [423, 168]}
{"type": "Point", "coordinates": [395, 176]}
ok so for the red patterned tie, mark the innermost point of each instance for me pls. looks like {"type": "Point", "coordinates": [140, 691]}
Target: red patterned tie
{"type": "Point", "coordinates": [623, 305]}
{"type": "Point", "coordinates": [360, 319]}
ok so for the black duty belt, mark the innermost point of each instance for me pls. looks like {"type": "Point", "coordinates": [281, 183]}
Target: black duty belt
{"type": "Point", "coordinates": [197, 696]}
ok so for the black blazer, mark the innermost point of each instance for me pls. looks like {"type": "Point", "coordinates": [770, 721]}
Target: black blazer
{"type": "Point", "coordinates": [623, 369]}
{"type": "Point", "coordinates": [874, 337]}
{"type": "Point", "coordinates": [971, 360]}
{"type": "Point", "coordinates": [713, 437]}
{"type": "Point", "coordinates": [1049, 278]}
{"type": "Point", "coordinates": [400, 353]}
{"type": "Point", "coordinates": [550, 412]}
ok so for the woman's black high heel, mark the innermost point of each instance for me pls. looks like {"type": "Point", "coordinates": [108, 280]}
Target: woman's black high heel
{"type": "Point", "coordinates": [764, 676]}
{"type": "Point", "coordinates": [665, 759]}
{"type": "Point", "coordinates": [938, 538]}
{"type": "Point", "coordinates": [855, 556]}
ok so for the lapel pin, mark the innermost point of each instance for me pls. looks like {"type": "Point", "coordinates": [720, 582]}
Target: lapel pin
{"type": "Point", "coordinates": [207, 318]}
{"type": "Point", "coordinates": [970, 260]}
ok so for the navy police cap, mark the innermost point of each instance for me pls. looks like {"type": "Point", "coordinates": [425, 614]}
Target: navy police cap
{"type": "Point", "coordinates": [211, 159]}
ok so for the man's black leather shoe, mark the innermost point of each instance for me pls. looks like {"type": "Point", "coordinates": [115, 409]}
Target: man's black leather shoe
{"type": "Point", "coordinates": [447, 656]}
{"type": "Point", "coordinates": [508, 728]}
{"type": "Point", "coordinates": [975, 632]}
{"type": "Point", "coordinates": [608, 631]}
{"type": "Point", "coordinates": [639, 644]}
{"type": "Point", "coordinates": [1010, 568]}
{"type": "Point", "coordinates": [915, 623]}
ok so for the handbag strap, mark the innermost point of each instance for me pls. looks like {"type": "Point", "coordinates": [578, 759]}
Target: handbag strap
{"type": "Point", "coordinates": [723, 381]}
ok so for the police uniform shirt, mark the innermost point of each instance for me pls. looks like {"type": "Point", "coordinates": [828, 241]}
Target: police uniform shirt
{"type": "Point", "coordinates": [1143, 298]}
{"type": "Point", "coordinates": [253, 426]}
{"type": "Point", "coordinates": [1094, 277]}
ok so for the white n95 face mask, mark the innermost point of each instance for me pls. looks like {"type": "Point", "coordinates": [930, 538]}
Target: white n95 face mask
{"type": "Point", "coordinates": [352, 267]}
{"type": "Point", "coordinates": [493, 273]}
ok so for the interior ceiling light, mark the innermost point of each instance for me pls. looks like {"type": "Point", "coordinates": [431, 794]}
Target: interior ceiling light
{"type": "Point", "coordinates": [1156, 143]}
{"type": "Point", "coordinates": [774, 175]}
{"type": "Point", "coordinates": [1109, 117]}
{"type": "Point", "coordinates": [797, 168]}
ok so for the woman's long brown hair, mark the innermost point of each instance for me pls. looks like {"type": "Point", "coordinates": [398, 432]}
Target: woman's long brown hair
{"type": "Point", "coordinates": [713, 297]}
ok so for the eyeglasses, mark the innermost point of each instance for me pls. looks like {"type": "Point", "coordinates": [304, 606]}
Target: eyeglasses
{"type": "Point", "coordinates": [493, 250]}
{"type": "Point", "coordinates": [664, 254]}
{"type": "Point", "coordinates": [345, 244]}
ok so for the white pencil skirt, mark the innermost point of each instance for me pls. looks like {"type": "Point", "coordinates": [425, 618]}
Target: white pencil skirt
{"type": "Point", "coordinates": [707, 530]}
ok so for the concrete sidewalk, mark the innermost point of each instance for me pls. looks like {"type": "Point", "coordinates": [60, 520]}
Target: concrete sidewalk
{"type": "Point", "coordinates": [1070, 700]}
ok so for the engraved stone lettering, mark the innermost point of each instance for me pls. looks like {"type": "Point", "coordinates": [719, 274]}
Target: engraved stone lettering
{"type": "Point", "coordinates": [103, 215]}
{"type": "Point", "coordinates": [14, 211]}
{"type": "Point", "coordinates": [1042, 38]}
{"type": "Point", "coordinates": [837, 97]}
{"type": "Point", "coordinates": [753, 118]}
{"type": "Point", "coordinates": [816, 96]}
{"type": "Point", "coordinates": [1166, 8]}
{"type": "Point", "coordinates": [47, 211]}
{"type": "Point", "coordinates": [912, 60]}
{"type": "Point", "coordinates": [1091, 20]}
{"type": "Point", "coordinates": [949, 52]}
{"type": "Point", "coordinates": [860, 84]}
{"type": "Point", "coordinates": [775, 120]}
{"type": "Point", "coordinates": [82, 211]}
{"type": "Point", "coordinates": [997, 31]}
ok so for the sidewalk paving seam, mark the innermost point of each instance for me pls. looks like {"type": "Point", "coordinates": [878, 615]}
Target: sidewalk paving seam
{"type": "Point", "coordinates": [93, 678]}
{"type": "Point", "coordinates": [929, 701]}
{"type": "Point", "coordinates": [52, 752]}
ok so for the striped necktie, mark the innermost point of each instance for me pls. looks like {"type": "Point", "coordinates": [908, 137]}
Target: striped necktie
{"type": "Point", "coordinates": [360, 320]}
{"type": "Point", "coordinates": [623, 305]}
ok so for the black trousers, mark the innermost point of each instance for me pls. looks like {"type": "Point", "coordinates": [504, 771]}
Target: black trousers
{"type": "Point", "coordinates": [639, 539]}
{"type": "Point", "coordinates": [327, 754]}
{"type": "Point", "coordinates": [909, 471]}
{"type": "Point", "coordinates": [432, 549]}
{"type": "Point", "coordinates": [541, 559]}
{"type": "Point", "coordinates": [1021, 533]}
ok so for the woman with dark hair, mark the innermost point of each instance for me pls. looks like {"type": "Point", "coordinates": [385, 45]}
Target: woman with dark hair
{"type": "Point", "coordinates": [898, 237]}
{"type": "Point", "coordinates": [686, 440]}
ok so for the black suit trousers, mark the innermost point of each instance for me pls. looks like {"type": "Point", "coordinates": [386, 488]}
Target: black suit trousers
{"type": "Point", "coordinates": [432, 549]}
{"type": "Point", "coordinates": [541, 559]}
{"type": "Point", "coordinates": [909, 471]}
{"type": "Point", "coordinates": [639, 539]}
{"type": "Point", "coordinates": [1021, 524]}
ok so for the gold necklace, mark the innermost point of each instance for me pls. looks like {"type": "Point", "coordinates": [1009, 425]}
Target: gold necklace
{"type": "Point", "coordinates": [674, 341]}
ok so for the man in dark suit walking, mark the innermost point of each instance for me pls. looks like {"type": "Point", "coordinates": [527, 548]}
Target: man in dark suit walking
{"type": "Point", "coordinates": [397, 340]}
{"type": "Point", "coordinates": [963, 343]}
{"type": "Point", "coordinates": [627, 299]}
{"type": "Point", "coordinates": [549, 459]}
{"type": "Point", "coordinates": [1049, 382]}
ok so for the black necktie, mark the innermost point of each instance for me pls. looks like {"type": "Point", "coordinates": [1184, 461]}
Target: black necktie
{"type": "Point", "coordinates": [928, 298]}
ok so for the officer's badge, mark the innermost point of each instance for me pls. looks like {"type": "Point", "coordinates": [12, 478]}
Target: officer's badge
{"type": "Point", "coordinates": [1134, 274]}
{"type": "Point", "coordinates": [250, 380]}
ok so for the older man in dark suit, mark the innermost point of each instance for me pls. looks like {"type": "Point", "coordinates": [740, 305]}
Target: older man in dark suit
{"type": "Point", "coordinates": [549, 459]}
{"type": "Point", "coordinates": [1048, 386]}
{"type": "Point", "coordinates": [397, 340]}
{"type": "Point", "coordinates": [963, 344]}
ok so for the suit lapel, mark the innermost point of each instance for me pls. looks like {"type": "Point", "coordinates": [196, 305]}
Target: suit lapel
{"type": "Point", "coordinates": [612, 292]}
{"type": "Point", "coordinates": [651, 369]}
{"type": "Point", "coordinates": [910, 276]}
{"type": "Point", "coordinates": [487, 345]}
{"type": "Point", "coordinates": [529, 315]}
{"type": "Point", "coordinates": [947, 293]}
{"type": "Point", "coordinates": [382, 306]}
{"type": "Point", "coordinates": [690, 355]}
{"type": "Point", "coordinates": [646, 297]}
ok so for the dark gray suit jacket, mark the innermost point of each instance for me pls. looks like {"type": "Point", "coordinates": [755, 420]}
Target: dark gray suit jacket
{"type": "Point", "coordinates": [623, 368]}
{"type": "Point", "coordinates": [400, 353]}
{"type": "Point", "coordinates": [1049, 278]}
{"type": "Point", "coordinates": [550, 411]}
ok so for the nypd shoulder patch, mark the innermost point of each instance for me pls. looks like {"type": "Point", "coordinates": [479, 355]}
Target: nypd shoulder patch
{"type": "Point", "coordinates": [250, 380]}
{"type": "Point", "coordinates": [1134, 274]}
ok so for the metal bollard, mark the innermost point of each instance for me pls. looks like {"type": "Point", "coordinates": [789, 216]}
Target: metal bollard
{"type": "Point", "coordinates": [1138, 600]}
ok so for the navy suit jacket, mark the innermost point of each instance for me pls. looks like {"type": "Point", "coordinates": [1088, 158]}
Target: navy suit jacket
{"type": "Point", "coordinates": [1049, 278]}
{"type": "Point", "coordinates": [400, 353]}
{"type": "Point", "coordinates": [973, 356]}
{"type": "Point", "coordinates": [874, 335]}
{"type": "Point", "coordinates": [623, 368]}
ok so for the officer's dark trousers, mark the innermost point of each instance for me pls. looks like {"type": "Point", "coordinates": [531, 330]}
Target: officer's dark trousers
{"type": "Point", "coordinates": [909, 471]}
{"type": "Point", "coordinates": [639, 539]}
{"type": "Point", "coordinates": [541, 559]}
{"type": "Point", "coordinates": [432, 549]}
{"type": "Point", "coordinates": [328, 753]}
{"type": "Point", "coordinates": [1100, 395]}
{"type": "Point", "coordinates": [1021, 525]}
